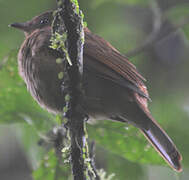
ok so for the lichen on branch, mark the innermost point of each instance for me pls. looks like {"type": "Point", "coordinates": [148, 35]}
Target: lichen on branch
{"type": "Point", "coordinates": [68, 39]}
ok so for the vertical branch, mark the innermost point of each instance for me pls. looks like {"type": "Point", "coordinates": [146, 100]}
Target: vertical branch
{"type": "Point", "coordinates": [69, 37]}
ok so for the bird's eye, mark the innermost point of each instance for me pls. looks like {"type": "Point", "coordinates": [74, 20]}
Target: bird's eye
{"type": "Point", "coordinates": [44, 21]}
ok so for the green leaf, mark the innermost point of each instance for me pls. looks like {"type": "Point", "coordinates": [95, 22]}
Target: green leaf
{"type": "Point", "coordinates": [125, 141]}
{"type": "Point", "coordinates": [51, 168]}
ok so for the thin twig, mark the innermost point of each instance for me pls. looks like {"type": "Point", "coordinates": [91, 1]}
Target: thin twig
{"type": "Point", "coordinates": [157, 22]}
{"type": "Point", "coordinates": [157, 27]}
{"type": "Point", "coordinates": [92, 157]}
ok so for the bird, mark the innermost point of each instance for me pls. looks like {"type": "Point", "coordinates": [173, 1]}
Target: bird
{"type": "Point", "coordinates": [113, 88]}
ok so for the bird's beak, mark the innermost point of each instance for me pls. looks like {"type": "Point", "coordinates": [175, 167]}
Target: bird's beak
{"type": "Point", "coordinates": [21, 26]}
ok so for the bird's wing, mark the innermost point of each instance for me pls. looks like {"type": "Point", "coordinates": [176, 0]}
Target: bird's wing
{"type": "Point", "coordinates": [116, 67]}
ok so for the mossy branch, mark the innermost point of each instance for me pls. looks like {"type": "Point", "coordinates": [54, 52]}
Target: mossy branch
{"type": "Point", "coordinates": [68, 39]}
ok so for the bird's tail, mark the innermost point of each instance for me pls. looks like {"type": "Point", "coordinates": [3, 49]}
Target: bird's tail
{"type": "Point", "coordinates": [163, 144]}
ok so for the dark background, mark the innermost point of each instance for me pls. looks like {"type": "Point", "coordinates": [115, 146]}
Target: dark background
{"type": "Point", "coordinates": [162, 28]}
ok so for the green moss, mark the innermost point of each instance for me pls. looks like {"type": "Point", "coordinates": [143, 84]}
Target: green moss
{"type": "Point", "coordinates": [84, 24]}
{"type": "Point", "coordinates": [60, 75]}
{"type": "Point", "coordinates": [67, 56]}
{"type": "Point", "coordinates": [67, 98]}
{"type": "Point", "coordinates": [58, 41]}
{"type": "Point", "coordinates": [59, 60]}
{"type": "Point", "coordinates": [76, 5]}
{"type": "Point", "coordinates": [65, 109]}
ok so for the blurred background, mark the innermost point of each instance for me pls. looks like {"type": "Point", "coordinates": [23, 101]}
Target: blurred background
{"type": "Point", "coordinates": [154, 35]}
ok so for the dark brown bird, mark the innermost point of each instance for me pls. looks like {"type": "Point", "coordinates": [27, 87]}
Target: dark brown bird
{"type": "Point", "coordinates": [113, 87]}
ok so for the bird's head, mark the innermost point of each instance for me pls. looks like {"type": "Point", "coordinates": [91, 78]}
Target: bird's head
{"type": "Point", "coordinates": [38, 22]}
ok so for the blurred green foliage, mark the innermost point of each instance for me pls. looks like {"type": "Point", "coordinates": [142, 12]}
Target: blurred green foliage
{"type": "Point", "coordinates": [121, 149]}
{"type": "Point", "coordinates": [51, 168]}
{"type": "Point", "coordinates": [128, 2]}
